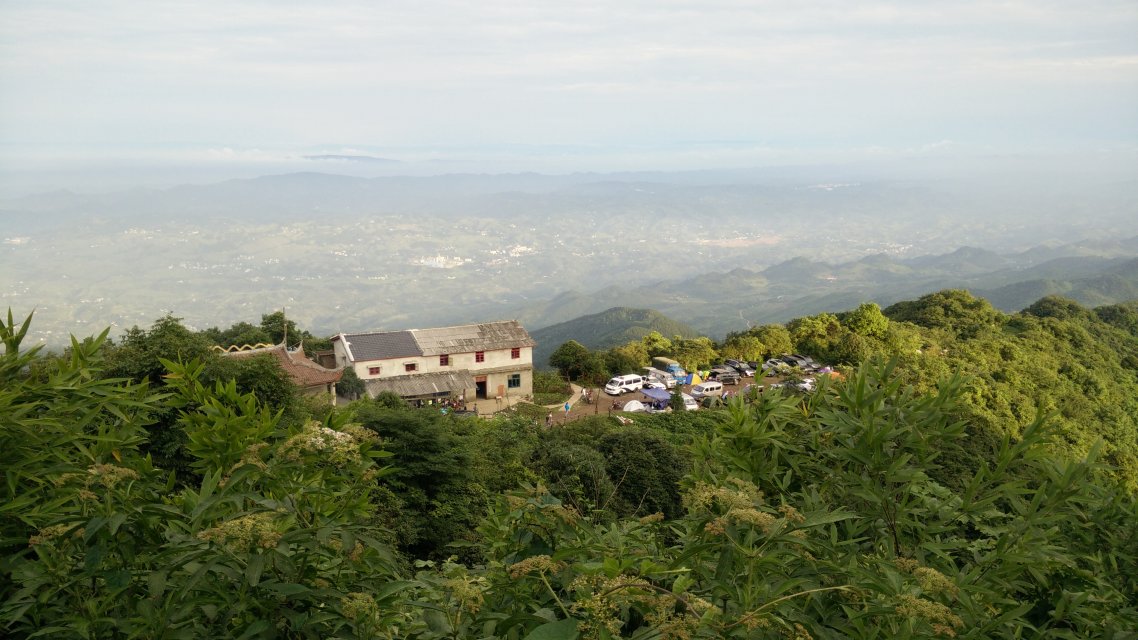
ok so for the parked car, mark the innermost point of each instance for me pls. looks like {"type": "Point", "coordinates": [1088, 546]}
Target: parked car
{"type": "Point", "coordinates": [741, 367]}
{"type": "Point", "coordinates": [806, 363]}
{"type": "Point", "coordinates": [708, 388]}
{"type": "Point", "coordinates": [653, 383]}
{"type": "Point", "coordinates": [624, 384]}
{"type": "Point", "coordinates": [689, 402]}
{"type": "Point", "coordinates": [725, 375]}
{"type": "Point", "coordinates": [803, 385]}
{"type": "Point", "coordinates": [770, 367]}
{"type": "Point", "coordinates": [668, 379]}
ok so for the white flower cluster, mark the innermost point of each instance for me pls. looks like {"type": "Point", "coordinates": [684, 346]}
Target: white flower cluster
{"type": "Point", "coordinates": [336, 447]}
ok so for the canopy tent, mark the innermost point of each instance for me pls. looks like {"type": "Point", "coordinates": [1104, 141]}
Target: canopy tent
{"type": "Point", "coordinates": [657, 394]}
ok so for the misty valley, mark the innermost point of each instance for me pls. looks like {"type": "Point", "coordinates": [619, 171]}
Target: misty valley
{"type": "Point", "coordinates": [720, 251]}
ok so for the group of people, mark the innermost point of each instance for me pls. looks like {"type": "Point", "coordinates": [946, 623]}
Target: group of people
{"type": "Point", "coordinates": [445, 405]}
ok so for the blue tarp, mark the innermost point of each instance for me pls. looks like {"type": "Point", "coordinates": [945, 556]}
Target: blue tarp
{"type": "Point", "coordinates": [657, 394]}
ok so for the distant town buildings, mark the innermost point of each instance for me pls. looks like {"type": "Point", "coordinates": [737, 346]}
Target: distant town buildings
{"type": "Point", "coordinates": [441, 261]}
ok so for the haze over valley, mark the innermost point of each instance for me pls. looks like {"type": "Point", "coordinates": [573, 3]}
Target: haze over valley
{"type": "Point", "coordinates": [720, 250]}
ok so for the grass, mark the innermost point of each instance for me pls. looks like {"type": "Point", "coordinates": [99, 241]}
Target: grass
{"type": "Point", "coordinates": [548, 398]}
{"type": "Point", "coordinates": [533, 411]}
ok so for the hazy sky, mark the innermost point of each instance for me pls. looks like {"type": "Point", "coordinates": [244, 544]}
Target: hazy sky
{"type": "Point", "coordinates": [681, 84]}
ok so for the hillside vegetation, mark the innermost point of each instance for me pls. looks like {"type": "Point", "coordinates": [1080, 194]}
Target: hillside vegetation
{"type": "Point", "coordinates": [609, 328]}
{"type": "Point", "coordinates": [1076, 365]}
{"type": "Point", "coordinates": [923, 496]}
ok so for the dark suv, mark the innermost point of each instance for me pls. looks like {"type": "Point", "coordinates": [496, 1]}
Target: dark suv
{"type": "Point", "coordinates": [724, 375]}
{"type": "Point", "coordinates": [742, 368]}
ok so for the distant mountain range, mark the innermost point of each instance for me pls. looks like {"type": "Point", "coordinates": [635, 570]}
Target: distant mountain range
{"type": "Point", "coordinates": [609, 328]}
{"type": "Point", "coordinates": [1116, 282]}
{"type": "Point", "coordinates": [1092, 272]}
{"type": "Point", "coordinates": [1108, 281]}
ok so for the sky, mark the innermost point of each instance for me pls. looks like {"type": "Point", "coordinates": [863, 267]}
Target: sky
{"type": "Point", "coordinates": [559, 86]}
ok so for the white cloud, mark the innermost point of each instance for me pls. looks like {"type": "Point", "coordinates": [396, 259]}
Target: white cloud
{"type": "Point", "coordinates": [278, 74]}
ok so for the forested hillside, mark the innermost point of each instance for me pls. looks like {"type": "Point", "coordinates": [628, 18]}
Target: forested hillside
{"type": "Point", "coordinates": [606, 329]}
{"type": "Point", "coordinates": [1075, 365]}
{"type": "Point", "coordinates": [972, 476]}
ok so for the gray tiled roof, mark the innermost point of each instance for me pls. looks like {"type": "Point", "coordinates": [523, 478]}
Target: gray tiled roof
{"type": "Point", "coordinates": [487, 336]}
{"type": "Point", "coordinates": [423, 384]}
{"type": "Point", "coordinates": [381, 346]}
{"type": "Point", "coordinates": [468, 338]}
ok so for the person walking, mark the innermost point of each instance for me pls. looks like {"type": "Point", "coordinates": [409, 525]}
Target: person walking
{"type": "Point", "coordinates": [549, 420]}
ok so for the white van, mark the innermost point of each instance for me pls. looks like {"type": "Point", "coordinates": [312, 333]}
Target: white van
{"type": "Point", "coordinates": [709, 388]}
{"type": "Point", "coordinates": [624, 384]}
{"type": "Point", "coordinates": [668, 379]}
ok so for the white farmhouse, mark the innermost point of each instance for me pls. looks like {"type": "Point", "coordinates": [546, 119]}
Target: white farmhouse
{"type": "Point", "coordinates": [474, 361]}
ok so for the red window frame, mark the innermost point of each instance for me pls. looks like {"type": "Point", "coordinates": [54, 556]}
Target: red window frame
{"type": "Point", "coordinates": [408, 367]}
{"type": "Point", "coordinates": [444, 360]}
{"type": "Point", "coordinates": [373, 371]}
{"type": "Point", "coordinates": [516, 353]}
{"type": "Point", "coordinates": [480, 356]}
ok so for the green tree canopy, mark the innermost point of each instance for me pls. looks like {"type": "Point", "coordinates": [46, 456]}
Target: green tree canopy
{"type": "Point", "coordinates": [239, 334]}
{"type": "Point", "coordinates": [774, 337]}
{"type": "Point", "coordinates": [867, 321]}
{"type": "Point", "coordinates": [694, 353]}
{"type": "Point", "coordinates": [898, 503]}
{"type": "Point", "coordinates": [743, 347]}
{"type": "Point", "coordinates": [139, 352]}
{"type": "Point", "coordinates": [433, 480]}
{"type": "Point", "coordinates": [627, 358]}
{"type": "Point", "coordinates": [570, 359]}
{"type": "Point", "coordinates": [816, 335]}
{"type": "Point", "coordinates": [656, 344]}
{"type": "Point", "coordinates": [955, 310]}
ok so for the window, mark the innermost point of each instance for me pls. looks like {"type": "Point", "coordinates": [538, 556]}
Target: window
{"type": "Point", "coordinates": [514, 381]}
{"type": "Point", "coordinates": [373, 371]}
{"type": "Point", "coordinates": [444, 360]}
{"type": "Point", "coordinates": [410, 366]}
{"type": "Point", "coordinates": [480, 356]}
{"type": "Point", "coordinates": [516, 353]}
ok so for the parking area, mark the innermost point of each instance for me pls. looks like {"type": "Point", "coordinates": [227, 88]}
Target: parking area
{"type": "Point", "coordinates": [593, 401]}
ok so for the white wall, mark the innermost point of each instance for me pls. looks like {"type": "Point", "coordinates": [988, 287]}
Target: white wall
{"type": "Point", "coordinates": [458, 361]}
